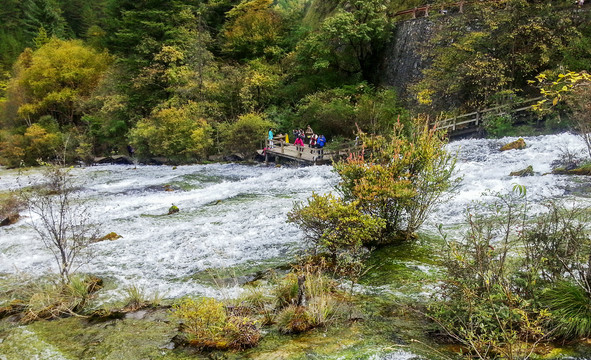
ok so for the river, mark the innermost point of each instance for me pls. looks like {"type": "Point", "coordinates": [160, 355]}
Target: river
{"type": "Point", "coordinates": [235, 215]}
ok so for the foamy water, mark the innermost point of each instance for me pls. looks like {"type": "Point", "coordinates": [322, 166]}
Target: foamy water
{"type": "Point", "coordinates": [236, 215]}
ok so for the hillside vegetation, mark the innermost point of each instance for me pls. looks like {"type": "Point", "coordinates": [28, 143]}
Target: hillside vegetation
{"type": "Point", "coordinates": [178, 78]}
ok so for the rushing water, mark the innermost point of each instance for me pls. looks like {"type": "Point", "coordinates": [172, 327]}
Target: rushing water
{"type": "Point", "coordinates": [236, 214]}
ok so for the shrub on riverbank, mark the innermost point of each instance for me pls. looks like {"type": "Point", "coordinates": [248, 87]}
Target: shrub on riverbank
{"type": "Point", "coordinates": [47, 299]}
{"type": "Point", "coordinates": [496, 304]}
{"type": "Point", "coordinates": [207, 324]}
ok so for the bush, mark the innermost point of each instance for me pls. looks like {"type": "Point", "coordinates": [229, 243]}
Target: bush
{"type": "Point", "coordinates": [495, 303]}
{"type": "Point", "coordinates": [498, 126]}
{"type": "Point", "coordinates": [294, 319]}
{"type": "Point", "coordinates": [571, 310]}
{"type": "Point", "coordinates": [484, 305]}
{"type": "Point", "coordinates": [398, 178]}
{"type": "Point", "coordinates": [332, 225]}
{"type": "Point", "coordinates": [206, 323]}
{"type": "Point", "coordinates": [340, 111]}
{"type": "Point", "coordinates": [245, 135]}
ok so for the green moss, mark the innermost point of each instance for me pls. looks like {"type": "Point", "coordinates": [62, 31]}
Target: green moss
{"type": "Point", "coordinates": [409, 264]}
{"type": "Point", "coordinates": [117, 339]}
{"type": "Point", "coordinates": [173, 210]}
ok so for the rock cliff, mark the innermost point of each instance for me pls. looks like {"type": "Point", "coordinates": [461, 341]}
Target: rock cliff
{"type": "Point", "coordinates": [403, 58]}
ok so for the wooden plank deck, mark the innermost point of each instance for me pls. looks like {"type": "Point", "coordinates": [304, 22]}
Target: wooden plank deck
{"type": "Point", "coordinates": [306, 154]}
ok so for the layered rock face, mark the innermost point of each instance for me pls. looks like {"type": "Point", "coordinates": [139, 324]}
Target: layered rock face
{"type": "Point", "coordinates": [403, 58]}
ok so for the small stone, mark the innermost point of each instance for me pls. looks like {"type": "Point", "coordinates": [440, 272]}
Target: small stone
{"type": "Point", "coordinates": [170, 346]}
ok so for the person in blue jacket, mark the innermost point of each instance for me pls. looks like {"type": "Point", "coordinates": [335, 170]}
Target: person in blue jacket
{"type": "Point", "coordinates": [320, 142]}
{"type": "Point", "coordinates": [270, 138]}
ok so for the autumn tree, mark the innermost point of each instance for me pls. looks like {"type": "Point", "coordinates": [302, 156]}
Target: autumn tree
{"type": "Point", "coordinates": [56, 80]}
{"type": "Point", "coordinates": [491, 52]}
{"type": "Point", "coordinates": [174, 132]}
{"type": "Point", "coordinates": [572, 88]}
{"type": "Point", "coordinates": [253, 29]}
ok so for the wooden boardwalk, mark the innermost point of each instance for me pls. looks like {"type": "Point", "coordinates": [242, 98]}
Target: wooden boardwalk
{"type": "Point", "coordinates": [305, 155]}
{"type": "Point", "coordinates": [460, 125]}
{"type": "Point", "coordinates": [472, 122]}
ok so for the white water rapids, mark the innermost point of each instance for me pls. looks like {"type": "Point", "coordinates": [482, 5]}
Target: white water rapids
{"type": "Point", "coordinates": [236, 214]}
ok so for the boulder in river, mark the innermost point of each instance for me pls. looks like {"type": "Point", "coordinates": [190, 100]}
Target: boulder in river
{"type": "Point", "coordinates": [10, 219]}
{"type": "Point", "coordinates": [514, 145]}
{"type": "Point", "coordinates": [173, 210]}
{"type": "Point", "coordinates": [110, 237]}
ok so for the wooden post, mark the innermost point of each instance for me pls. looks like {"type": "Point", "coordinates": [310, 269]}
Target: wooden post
{"type": "Point", "coordinates": [282, 151]}
{"type": "Point", "coordinates": [477, 117]}
{"type": "Point", "coordinates": [414, 13]}
{"type": "Point", "coordinates": [453, 127]}
{"type": "Point", "coordinates": [427, 11]}
{"type": "Point", "coordinates": [461, 7]}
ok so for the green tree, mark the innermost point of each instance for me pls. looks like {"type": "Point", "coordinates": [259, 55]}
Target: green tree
{"type": "Point", "coordinates": [245, 134]}
{"type": "Point", "coordinates": [56, 79]}
{"type": "Point", "coordinates": [348, 40]}
{"type": "Point", "coordinates": [175, 132]}
{"type": "Point", "coordinates": [253, 29]}
{"type": "Point", "coordinates": [341, 111]}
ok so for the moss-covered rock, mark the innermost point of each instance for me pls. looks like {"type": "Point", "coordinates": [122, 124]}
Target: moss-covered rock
{"type": "Point", "coordinates": [581, 170]}
{"type": "Point", "coordinates": [110, 237]}
{"type": "Point", "coordinates": [514, 145]}
{"type": "Point", "coordinates": [528, 171]}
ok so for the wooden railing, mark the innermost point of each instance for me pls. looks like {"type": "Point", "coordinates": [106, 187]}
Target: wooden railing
{"type": "Point", "coordinates": [474, 119]}
{"type": "Point", "coordinates": [424, 10]}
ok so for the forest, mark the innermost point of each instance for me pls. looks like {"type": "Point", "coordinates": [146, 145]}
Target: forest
{"type": "Point", "coordinates": [185, 79]}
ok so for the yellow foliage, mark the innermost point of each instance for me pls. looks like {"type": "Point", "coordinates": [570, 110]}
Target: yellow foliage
{"type": "Point", "coordinates": [208, 325]}
{"type": "Point", "coordinates": [56, 78]}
